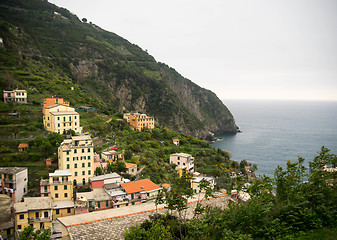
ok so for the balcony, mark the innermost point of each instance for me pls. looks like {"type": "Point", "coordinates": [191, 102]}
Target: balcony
{"type": "Point", "coordinates": [43, 219]}
{"type": "Point", "coordinates": [9, 181]}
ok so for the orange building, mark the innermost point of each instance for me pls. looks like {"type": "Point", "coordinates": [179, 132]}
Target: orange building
{"type": "Point", "coordinates": [53, 101]}
{"type": "Point", "coordinates": [139, 121]}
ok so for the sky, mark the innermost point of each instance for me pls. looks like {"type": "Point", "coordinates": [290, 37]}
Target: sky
{"type": "Point", "coordinates": [252, 49]}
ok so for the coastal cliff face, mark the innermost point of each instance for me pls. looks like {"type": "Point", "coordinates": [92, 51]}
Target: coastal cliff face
{"type": "Point", "coordinates": [45, 45]}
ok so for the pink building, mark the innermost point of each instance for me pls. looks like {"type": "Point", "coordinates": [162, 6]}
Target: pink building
{"type": "Point", "coordinates": [19, 96]}
{"type": "Point", "coordinates": [45, 188]}
{"type": "Point", "coordinates": [183, 161]}
{"type": "Point", "coordinates": [101, 180]}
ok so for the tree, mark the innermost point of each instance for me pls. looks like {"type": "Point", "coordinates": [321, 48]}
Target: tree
{"type": "Point", "coordinates": [28, 233]}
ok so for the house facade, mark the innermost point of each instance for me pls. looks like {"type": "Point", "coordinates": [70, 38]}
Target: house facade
{"type": "Point", "coordinates": [18, 96]}
{"type": "Point", "coordinates": [195, 183]}
{"type": "Point", "coordinates": [131, 168]}
{"type": "Point", "coordinates": [183, 161]}
{"type": "Point", "coordinates": [112, 156]}
{"type": "Point", "coordinates": [139, 121]}
{"type": "Point", "coordinates": [77, 156]}
{"type": "Point", "coordinates": [141, 190]}
{"type": "Point", "coordinates": [60, 118]}
{"type": "Point", "coordinates": [13, 182]}
{"type": "Point", "coordinates": [34, 211]}
{"type": "Point", "coordinates": [101, 180]}
{"type": "Point", "coordinates": [53, 101]}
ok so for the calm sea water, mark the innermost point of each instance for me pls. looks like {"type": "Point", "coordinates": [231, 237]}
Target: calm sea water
{"type": "Point", "coordinates": [274, 132]}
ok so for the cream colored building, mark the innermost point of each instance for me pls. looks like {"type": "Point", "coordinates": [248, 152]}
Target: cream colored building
{"type": "Point", "coordinates": [59, 118]}
{"type": "Point", "coordinates": [34, 211]}
{"type": "Point", "coordinates": [77, 156]}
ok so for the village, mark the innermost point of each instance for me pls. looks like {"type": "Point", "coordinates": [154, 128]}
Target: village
{"type": "Point", "coordinates": [77, 166]}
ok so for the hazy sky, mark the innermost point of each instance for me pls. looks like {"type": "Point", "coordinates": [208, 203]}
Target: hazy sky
{"type": "Point", "coordinates": [253, 49]}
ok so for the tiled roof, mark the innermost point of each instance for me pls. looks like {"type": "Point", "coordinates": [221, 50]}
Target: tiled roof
{"type": "Point", "coordinates": [166, 185]}
{"type": "Point", "coordinates": [128, 165]}
{"type": "Point", "coordinates": [33, 204]}
{"type": "Point", "coordinates": [23, 145]}
{"type": "Point", "coordinates": [12, 170]}
{"type": "Point", "coordinates": [181, 155]}
{"type": "Point", "coordinates": [141, 185]}
{"type": "Point", "coordinates": [104, 177]}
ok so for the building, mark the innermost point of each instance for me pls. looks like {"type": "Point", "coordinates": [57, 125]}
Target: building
{"type": "Point", "coordinates": [34, 211]}
{"type": "Point", "coordinates": [22, 147]}
{"type": "Point", "coordinates": [59, 187]}
{"type": "Point", "coordinates": [59, 118]}
{"type": "Point", "coordinates": [183, 161]}
{"type": "Point", "coordinates": [101, 180]}
{"type": "Point", "coordinates": [18, 96]}
{"type": "Point", "coordinates": [139, 121]}
{"type": "Point", "coordinates": [141, 190]}
{"type": "Point", "coordinates": [112, 156]}
{"type": "Point", "coordinates": [98, 199]}
{"type": "Point", "coordinates": [195, 183]}
{"type": "Point", "coordinates": [131, 168]}
{"type": "Point", "coordinates": [13, 182]}
{"type": "Point", "coordinates": [175, 141]}
{"type": "Point", "coordinates": [53, 101]}
{"type": "Point", "coordinates": [77, 156]}
{"type": "Point", "coordinates": [6, 223]}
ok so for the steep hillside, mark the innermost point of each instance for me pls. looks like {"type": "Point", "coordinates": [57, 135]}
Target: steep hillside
{"type": "Point", "coordinates": [49, 51]}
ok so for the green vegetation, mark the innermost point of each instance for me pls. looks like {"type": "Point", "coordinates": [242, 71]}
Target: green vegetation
{"type": "Point", "coordinates": [29, 233]}
{"type": "Point", "coordinates": [49, 52]}
{"type": "Point", "coordinates": [299, 210]}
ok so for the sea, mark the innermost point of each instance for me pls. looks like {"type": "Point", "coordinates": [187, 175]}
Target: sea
{"type": "Point", "coordinates": [274, 132]}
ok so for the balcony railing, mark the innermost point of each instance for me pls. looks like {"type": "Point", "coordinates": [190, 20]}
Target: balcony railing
{"type": "Point", "coordinates": [42, 219]}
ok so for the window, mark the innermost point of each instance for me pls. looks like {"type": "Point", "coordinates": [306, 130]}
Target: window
{"type": "Point", "coordinates": [58, 125]}
{"type": "Point", "coordinates": [67, 159]}
{"type": "Point", "coordinates": [58, 118]}
{"type": "Point", "coordinates": [75, 124]}
{"type": "Point", "coordinates": [46, 194]}
{"type": "Point", "coordinates": [99, 204]}
{"type": "Point", "coordinates": [83, 164]}
{"type": "Point", "coordinates": [88, 149]}
{"type": "Point", "coordinates": [65, 195]}
{"type": "Point", "coordinates": [89, 164]}
{"type": "Point", "coordinates": [75, 165]}
{"type": "Point", "coordinates": [64, 119]}
{"type": "Point", "coordinates": [88, 157]}
{"type": "Point", "coordinates": [56, 195]}
{"type": "Point", "coordinates": [107, 203]}
{"type": "Point", "coordinates": [75, 180]}
{"type": "Point", "coordinates": [55, 188]}
{"type": "Point", "coordinates": [22, 216]}
{"type": "Point", "coordinates": [45, 214]}
{"type": "Point", "coordinates": [68, 166]}
{"type": "Point", "coordinates": [69, 118]}
{"type": "Point", "coordinates": [75, 117]}
{"type": "Point", "coordinates": [83, 172]}
{"type": "Point", "coordinates": [178, 163]}
{"type": "Point", "coordinates": [68, 210]}
{"type": "Point", "coordinates": [89, 172]}
{"type": "Point", "coordinates": [83, 150]}
{"type": "Point", "coordinates": [64, 124]}
{"type": "Point", "coordinates": [19, 226]}
{"type": "Point", "coordinates": [45, 188]}
{"type": "Point", "coordinates": [65, 187]}
{"type": "Point", "coordinates": [57, 211]}
{"type": "Point", "coordinates": [37, 215]}
{"type": "Point", "coordinates": [75, 150]}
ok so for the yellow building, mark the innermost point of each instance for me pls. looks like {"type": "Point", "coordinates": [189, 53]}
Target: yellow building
{"type": "Point", "coordinates": [139, 121]}
{"type": "Point", "coordinates": [59, 118]}
{"type": "Point", "coordinates": [77, 156]}
{"type": "Point", "coordinates": [112, 156]}
{"type": "Point", "coordinates": [34, 211]}
{"type": "Point", "coordinates": [195, 183]}
{"type": "Point", "coordinates": [60, 188]}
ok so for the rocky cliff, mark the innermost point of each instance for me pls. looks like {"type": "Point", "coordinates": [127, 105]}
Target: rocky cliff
{"type": "Point", "coordinates": [47, 50]}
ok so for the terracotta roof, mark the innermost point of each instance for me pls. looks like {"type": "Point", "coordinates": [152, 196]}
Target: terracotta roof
{"type": "Point", "coordinates": [23, 145]}
{"type": "Point", "coordinates": [175, 140]}
{"type": "Point", "coordinates": [166, 185]}
{"type": "Point", "coordinates": [247, 167]}
{"type": "Point", "coordinates": [128, 165]}
{"type": "Point", "coordinates": [141, 185]}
